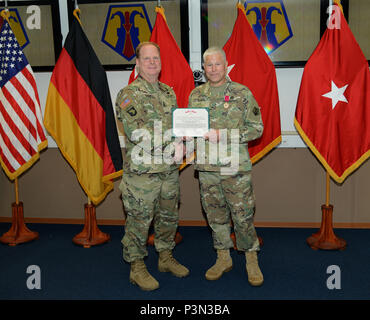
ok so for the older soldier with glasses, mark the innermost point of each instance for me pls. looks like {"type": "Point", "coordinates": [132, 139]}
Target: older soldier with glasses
{"type": "Point", "coordinates": [150, 189]}
{"type": "Point", "coordinates": [231, 106]}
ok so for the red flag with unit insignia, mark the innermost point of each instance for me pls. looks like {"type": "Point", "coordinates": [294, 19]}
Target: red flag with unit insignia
{"type": "Point", "coordinates": [250, 65]}
{"type": "Point", "coordinates": [333, 108]}
{"type": "Point", "coordinates": [176, 71]}
{"type": "Point", "coordinates": [79, 115]}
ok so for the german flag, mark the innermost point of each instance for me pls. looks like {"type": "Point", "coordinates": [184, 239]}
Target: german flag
{"type": "Point", "coordinates": [79, 115]}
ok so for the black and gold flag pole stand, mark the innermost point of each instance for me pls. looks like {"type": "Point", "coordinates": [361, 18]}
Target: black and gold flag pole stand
{"type": "Point", "coordinates": [325, 238]}
{"type": "Point", "coordinates": [18, 232]}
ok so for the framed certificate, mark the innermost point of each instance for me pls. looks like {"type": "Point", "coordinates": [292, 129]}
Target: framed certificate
{"type": "Point", "coordinates": [190, 122]}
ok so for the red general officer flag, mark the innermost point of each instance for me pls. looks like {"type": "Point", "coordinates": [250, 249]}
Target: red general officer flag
{"type": "Point", "coordinates": [79, 115]}
{"type": "Point", "coordinates": [175, 70]}
{"type": "Point", "coordinates": [333, 107]}
{"type": "Point", "coordinates": [21, 128]}
{"type": "Point", "coordinates": [250, 65]}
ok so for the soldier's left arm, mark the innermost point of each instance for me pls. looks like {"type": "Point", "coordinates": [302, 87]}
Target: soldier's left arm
{"type": "Point", "coordinates": [252, 125]}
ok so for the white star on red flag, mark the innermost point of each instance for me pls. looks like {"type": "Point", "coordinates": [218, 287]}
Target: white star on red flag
{"type": "Point", "coordinates": [336, 94]}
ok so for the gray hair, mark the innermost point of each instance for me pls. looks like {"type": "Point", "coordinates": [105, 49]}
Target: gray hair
{"type": "Point", "coordinates": [213, 50]}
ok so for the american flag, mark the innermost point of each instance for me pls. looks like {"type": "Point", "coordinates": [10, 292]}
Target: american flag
{"type": "Point", "coordinates": [21, 129]}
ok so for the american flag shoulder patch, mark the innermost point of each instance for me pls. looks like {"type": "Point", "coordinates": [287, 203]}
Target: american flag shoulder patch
{"type": "Point", "coordinates": [125, 103]}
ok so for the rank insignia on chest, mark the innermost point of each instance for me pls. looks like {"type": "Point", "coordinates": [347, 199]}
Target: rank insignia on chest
{"type": "Point", "coordinates": [132, 112]}
{"type": "Point", "coordinates": [256, 111]}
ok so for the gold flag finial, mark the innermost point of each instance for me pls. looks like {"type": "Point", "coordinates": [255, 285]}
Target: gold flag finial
{"type": "Point", "coordinates": [5, 15]}
{"type": "Point", "coordinates": [76, 13]}
{"type": "Point", "coordinates": [337, 2]}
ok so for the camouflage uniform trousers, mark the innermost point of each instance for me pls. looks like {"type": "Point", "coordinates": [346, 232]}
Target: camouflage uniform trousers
{"type": "Point", "coordinates": [146, 198]}
{"type": "Point", "coordinates": [225, 194]}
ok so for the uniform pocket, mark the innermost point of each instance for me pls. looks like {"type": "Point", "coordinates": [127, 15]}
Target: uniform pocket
{"type": "Point", "coordinates": [234, 115]}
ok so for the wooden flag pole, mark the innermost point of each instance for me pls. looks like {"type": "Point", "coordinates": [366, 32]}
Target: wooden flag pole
{"type": "Point", "coordinates": [18, 232]}
{"type": "Point", "coordinates": [16, 191]}
{"type": "Point", "coordinates": [90, 234]}
{"type": "Point", "coordinates": [327, 201]}
{"type": "Point", "coordinates": [325, 238]}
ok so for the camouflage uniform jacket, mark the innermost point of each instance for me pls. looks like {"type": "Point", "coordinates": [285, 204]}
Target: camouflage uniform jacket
{"type": "Point", "coordinates": [141, 105]}
{"type": "Point", "coordinates": [235, 108]}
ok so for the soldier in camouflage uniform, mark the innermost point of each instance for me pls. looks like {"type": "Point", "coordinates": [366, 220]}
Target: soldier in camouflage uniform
{"type": "Point", "coordinates": [225, 191]}
{"type": "Point", "coordinates": [150, 183]}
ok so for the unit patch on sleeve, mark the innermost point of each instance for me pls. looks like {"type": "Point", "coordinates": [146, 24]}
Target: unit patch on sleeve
{"type": "Point", "coordinates": [132, 111]}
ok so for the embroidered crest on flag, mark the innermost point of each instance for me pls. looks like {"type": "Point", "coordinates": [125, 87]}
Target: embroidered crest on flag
{"type": "Point", "coordinates": [270, 23]}
{"type": "Point", "coordinates": [125, 27]}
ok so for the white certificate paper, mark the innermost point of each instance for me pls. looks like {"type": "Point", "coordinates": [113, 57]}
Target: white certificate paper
{"type": "Point", "coordinates": [190, 122]}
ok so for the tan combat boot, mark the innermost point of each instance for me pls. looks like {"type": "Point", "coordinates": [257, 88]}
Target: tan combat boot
{"type": "Point", "coordinates": [255, 276]}
{"type": "Point", "coordinates": [167, 263]}
{"type": "Point", "coordinates": [223, 264]}
{"type": "Point", "coordinates": [139, 275]}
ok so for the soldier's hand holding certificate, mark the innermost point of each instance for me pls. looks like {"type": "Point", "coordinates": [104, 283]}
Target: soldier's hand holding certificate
{"type": "Point", "coordinates": [190, 122]}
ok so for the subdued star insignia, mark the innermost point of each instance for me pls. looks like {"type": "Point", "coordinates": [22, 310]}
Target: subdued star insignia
{"type": "Point", "coordinates": [256, 111]}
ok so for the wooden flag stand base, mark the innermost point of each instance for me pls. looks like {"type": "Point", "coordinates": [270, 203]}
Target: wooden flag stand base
{"type": "Point", "coordinates": [18, 232]}
{"type": "Point", "coordinates": [325, 238]}
{"type": "Point", "coordinates": [90, 234]}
